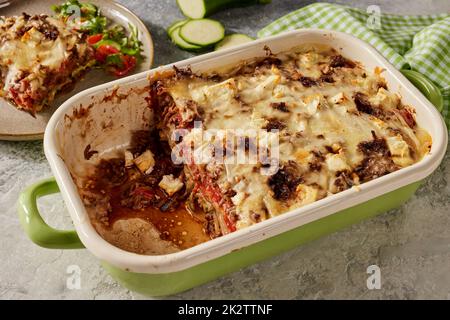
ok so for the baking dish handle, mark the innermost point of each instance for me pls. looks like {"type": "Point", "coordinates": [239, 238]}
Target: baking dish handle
{"type": "Point", "coordinates": [34, 225]}
{"type": "Point", "coordinates": [427, 87]}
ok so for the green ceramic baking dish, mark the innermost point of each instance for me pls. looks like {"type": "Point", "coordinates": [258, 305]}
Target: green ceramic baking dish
{"type": "Point", "coordinates": [159, 275]}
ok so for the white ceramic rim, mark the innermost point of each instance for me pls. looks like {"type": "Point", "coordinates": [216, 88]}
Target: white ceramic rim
{"type": "Point", "coordinates": [223, 245]}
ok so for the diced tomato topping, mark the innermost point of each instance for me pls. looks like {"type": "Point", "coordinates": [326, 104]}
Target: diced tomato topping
{"type": "Point", "coordinates": [119, 69]}
{"type": "Point", "coordinates": [103, 51]}
{"type": "Point", "coordinates": [128, 63]}
{"type": "Point", "coordinates": [94, 38]}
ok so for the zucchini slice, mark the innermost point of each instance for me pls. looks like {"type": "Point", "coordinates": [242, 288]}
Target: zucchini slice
{"type": "Point", "coordinates": [202, 32]}
{"type": "Point", "coordinates": [197, 9]}
{"type": "Point", "coordinates": [175, 25]}
{"type": "Point", "coordinates": [233, 40]}
{"type": "Point", "coordinates": [175, 36]}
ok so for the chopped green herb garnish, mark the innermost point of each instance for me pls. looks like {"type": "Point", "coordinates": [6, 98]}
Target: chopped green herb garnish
{"type": "Point", "coordinates": [87, 18]}
{"type": "Point", "coordinates": [115, 60]}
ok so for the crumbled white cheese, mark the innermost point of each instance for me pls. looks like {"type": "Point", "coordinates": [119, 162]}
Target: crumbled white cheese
{"type": "Point", "coordinates": [336, 147]}
{"type": "Point", "coordinates": [385, 99]}
{"type": "Point", "coordinates": [238, 198]}
{"type": "Point", "coordinates": [170, 184]}
{"type": "Point", "coordinates": [336, 162]}
{"type": "Point", "coordinates": [219, 95]}
{"type": "Point", "coordinates": [280, 91]}
{"type": "Point", "coordinates": [262, 91]}
{"type": "Point", "coordinates": [129, 159]}
{"type": "Point", "coordinates": [273, 206]}
{"type": "Point", "coordinates": [398, 146]}
{"type": "Point", "coordinates": [303, 156]}
{"type": "Point", "coordinates": [380, 124]}
{"type": "Point", "coordinates": [301, 125]}
{"type": "Point", "coordinates": [306, 194]}
{"type": "Point", "coordinates": [312, 104]}
{"type": "Point", "coordinates": [240, 186]}
{"type": "Point", "coordinates": [244, 220]}
{"type": "Point", "coordinates": [338, 98]}
{"type": "Point", "coordinates": [145, 162]}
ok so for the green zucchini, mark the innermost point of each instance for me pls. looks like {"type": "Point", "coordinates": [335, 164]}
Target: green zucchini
{"type": "Point", "coordinates": [233, 40]}
{"type": "Point", "coordinates": [175, 36]}
{"type": "Point", "coordinates": [197, 9]}
{"type": "Point", "coordinates": [202, 32]}
{"type": "Point", "coordinates": [175, 25]}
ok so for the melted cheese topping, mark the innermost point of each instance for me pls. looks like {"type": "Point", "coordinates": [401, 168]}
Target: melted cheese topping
{"type": "Point", "coordinates": [322, 126]}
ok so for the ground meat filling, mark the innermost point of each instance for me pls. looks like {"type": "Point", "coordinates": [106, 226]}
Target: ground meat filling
{"type": "Point", "coordinates": [284, 183]}
{"type": "Point", "coordinates": [328, 78]}
{"type": "Point", "coordinates": [144, 191]}
{"type": "Point", "coordinates": [308, 82]}
{"type": "Point", "coordinates": [343, 181]}
{"type": "Point", "coordinates": [377, 161]}
{"type": "Point", "coordinates": [274, 124]}
{"type": "Point", "coordinates": [363, 104]}
{"type": "Point", "coordinates": [269, 61]}
{"type": "Point", "coordinates": [132, 188]}
{"type": "Point", "coordinates": [280, 106]}
{"type": "Point", "coordinates": [167, 113]}
{"type": "Point", "coordinates": [339, 61]}
{"type": "Point", "coordinates": [184, 72]}
{"type": "Point", "coordinates": [110, 172]}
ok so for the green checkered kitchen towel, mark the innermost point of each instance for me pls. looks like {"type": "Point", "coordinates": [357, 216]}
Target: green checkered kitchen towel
{"type": "Point", "coordinates": [420, 43]}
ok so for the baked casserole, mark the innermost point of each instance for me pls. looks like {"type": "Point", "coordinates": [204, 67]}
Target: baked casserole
{"type": "Point", "coordinates": [323, 124]}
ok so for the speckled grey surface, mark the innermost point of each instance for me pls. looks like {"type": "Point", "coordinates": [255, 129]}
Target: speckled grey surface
{"type": "Point", "coordinates": [411, 245]}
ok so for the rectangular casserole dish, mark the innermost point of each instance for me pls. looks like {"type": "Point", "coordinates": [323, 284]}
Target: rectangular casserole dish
{"type": "Point", "coordinates": [105, 115]}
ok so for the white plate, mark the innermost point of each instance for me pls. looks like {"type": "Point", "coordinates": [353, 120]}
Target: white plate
{"type": "Point", "coordinates": [19, 125]}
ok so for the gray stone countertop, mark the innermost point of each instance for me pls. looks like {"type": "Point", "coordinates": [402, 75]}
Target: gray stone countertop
{"type": "Point", "coordinates": [411, 244]}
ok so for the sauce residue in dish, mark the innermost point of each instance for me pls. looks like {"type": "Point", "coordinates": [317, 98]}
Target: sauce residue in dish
{"type": "Point", "coordinates": [122, 188]}
{"type": "Point", "coordinates": [183, 228]}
